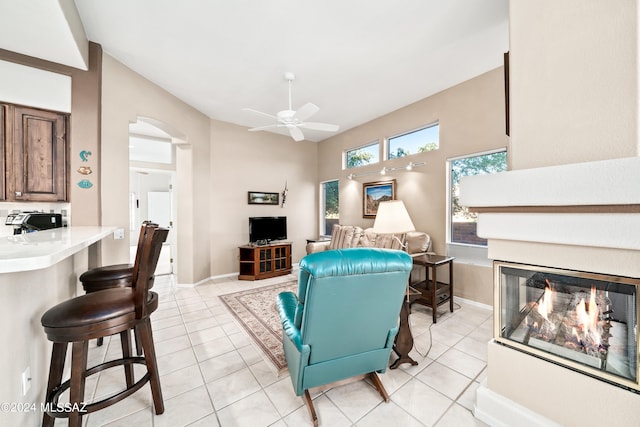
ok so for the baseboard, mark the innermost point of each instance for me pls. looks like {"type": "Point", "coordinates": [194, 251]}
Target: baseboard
{"type": "Point", "coordinates": [294, 268]}
{"type": "Point", "coordinates": [472, 302]}
{"type": "Point", "coordinates": [498, 411]}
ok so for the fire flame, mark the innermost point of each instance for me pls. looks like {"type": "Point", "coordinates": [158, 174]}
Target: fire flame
{"type": "Point", "coordinates": [545, 306]}
{"type": "Point", "coordinates": [588, 317]}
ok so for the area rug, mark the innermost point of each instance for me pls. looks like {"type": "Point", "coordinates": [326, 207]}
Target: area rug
{"type": "Point", "coordinates": [256, 312]}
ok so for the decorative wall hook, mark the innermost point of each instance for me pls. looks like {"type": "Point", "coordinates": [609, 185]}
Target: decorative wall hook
{"type": "Point", "coordinates": [84, 155]}
{"type": "Point", "coordinates": [284, 194]}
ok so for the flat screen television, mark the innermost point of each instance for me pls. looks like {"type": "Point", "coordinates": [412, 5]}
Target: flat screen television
{"type": "Point", "coordinates": [265, 229]}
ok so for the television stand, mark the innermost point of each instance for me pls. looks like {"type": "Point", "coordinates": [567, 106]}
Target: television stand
{"type": "Point", "coordinates": [262, 262]}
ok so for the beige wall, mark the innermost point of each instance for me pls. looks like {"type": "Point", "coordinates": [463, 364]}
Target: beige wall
{"type": "Point", "coordinates": [125, 96]}
{"type": "Point", "coordinates": [243, 161]}
{"type": "Point", "coordinates": [574, 81]}
{"type": "Point", "coordinates": [471, 117]}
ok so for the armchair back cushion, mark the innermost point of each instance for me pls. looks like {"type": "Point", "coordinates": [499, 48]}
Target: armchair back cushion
{"type": "Point", "coordinates": [344, 319]}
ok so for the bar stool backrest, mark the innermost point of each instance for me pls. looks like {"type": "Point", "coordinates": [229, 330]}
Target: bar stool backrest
{"type": "Point", "coordinates": [151, 239]}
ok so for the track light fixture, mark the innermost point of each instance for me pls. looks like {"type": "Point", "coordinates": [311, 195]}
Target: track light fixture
{"type": "Point", "coordinates": [386, 170]}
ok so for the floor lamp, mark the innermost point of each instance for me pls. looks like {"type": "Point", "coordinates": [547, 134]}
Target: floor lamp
{"type": "Point", "coordinates": [393, 218]}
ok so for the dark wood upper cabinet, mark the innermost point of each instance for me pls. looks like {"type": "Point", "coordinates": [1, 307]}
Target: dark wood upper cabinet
{"type": "Point", "coordinates": [3, 139]}
{"type": "Point", "coordinates": [36, 155]}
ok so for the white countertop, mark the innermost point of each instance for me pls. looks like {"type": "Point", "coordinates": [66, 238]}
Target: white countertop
{"type": "Point", "coordinates": [42, 249]}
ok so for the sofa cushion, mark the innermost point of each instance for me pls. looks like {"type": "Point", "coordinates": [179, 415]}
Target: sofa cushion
{"type": "Point", "coordinates": [370, 239]}
{"type": "Point", "coordinates": [418, 242]}
{"type": "Point", "coordinates": [345, 236]}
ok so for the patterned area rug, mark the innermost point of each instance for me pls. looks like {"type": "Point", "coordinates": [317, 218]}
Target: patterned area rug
{"type": "Point", "coordinates": [256, 312]}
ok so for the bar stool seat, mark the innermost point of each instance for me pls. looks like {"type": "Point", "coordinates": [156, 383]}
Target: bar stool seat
{"type": "Point", "coordinates": [93, 315]}
{"type": "Point", "coordinates": [107, 277]}
{"type": "Point", "coordinates": [101, 314]}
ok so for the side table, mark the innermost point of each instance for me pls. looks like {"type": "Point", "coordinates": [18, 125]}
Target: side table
{"type": "Point", "coordinates": [434, 293]}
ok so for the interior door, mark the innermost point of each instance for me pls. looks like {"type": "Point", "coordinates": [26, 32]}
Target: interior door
{"type": "Point", "coordinates": [159, 211]}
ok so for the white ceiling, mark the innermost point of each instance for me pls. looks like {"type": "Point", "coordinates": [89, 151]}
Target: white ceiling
{"type": "Point", "coordinates": [356, 59]}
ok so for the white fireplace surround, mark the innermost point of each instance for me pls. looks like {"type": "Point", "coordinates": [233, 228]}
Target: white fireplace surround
{"type": "Point", "coordinates": [582, 217]}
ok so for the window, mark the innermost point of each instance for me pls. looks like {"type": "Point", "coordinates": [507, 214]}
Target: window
{"type": "Point", "coordinates": [462, 223]}
{"type": "Point", "coordinates": [330, 201]}
{"type": "Point", "coordinates": [361, 156]}
{"type": "Point", "coordinates": [150, 149]}
{"type": "Point", "coordinates": [417, 141]}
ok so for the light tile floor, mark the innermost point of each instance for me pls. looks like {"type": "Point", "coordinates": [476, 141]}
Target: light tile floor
{"type": "Point", "coordinates": [212, 375]}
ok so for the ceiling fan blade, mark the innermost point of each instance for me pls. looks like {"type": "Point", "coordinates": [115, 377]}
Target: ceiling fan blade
{"type": "Point", "coordinates": [263, 127]}
{"type": "Point", "coordinates": [260, 113]}
{"type": "Point", "coordinates": [320, 126]}
{"type": "Point", "coordinates": [296, 133]}
{"type": "Point", "coordinates": [306, 111]}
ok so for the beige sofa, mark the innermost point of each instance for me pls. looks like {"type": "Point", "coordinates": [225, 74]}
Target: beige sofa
{"type": "Point", "coordinates": [350, 236]}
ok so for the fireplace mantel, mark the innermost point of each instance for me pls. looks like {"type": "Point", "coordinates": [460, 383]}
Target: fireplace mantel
{"type": "Point", "coordinates": [602, 186]}
{"type": "Point", "coordinates": [595, 204]}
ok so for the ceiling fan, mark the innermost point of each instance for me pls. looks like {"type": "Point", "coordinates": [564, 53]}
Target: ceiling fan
{"type": "Point", "coordinates": [294, 120]}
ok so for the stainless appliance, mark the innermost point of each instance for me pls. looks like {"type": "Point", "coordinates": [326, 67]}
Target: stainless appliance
{"type": "Point", "coordinates": [26, 222]}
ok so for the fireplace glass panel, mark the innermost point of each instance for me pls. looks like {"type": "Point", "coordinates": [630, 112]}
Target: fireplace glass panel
{"type": "Point", "coordinates": [582, 320]}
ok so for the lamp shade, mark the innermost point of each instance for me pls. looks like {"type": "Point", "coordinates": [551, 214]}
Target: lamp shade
{"type": "Point", "coordinates": [392, 218]}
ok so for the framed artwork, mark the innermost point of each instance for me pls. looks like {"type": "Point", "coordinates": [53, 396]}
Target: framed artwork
{"type": "Point", "coordinates": [261, 198]}
{"type": "Point", "coordinates": [375, 192]}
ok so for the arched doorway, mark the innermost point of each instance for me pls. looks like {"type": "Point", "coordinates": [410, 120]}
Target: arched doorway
{"type": "Point", "coordinates": [152, 195]}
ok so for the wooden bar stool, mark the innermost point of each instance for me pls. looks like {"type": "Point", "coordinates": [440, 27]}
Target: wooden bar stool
{"type": "Point", "coordinates": [111, 276]}
{"type": "Point", "coordinates": [101, 314]}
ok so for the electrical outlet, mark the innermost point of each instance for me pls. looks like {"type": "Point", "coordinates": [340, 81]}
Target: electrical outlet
{"type": "Point", "coordinates": [26, 381]}
{"type": "Point", "coordinates": [118, 234]}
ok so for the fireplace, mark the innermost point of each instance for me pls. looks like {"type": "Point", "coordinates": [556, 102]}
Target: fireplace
{"type": "Point", "coordinates": [583, 321]}
{"type": "Point", "coordinates": [565, 241]}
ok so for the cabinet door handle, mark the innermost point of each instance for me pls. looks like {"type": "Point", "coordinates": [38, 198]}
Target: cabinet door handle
{"type": "Point", "coordinates": [18, 193]}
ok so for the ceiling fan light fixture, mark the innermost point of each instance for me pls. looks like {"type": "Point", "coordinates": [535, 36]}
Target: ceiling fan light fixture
{"type": "Point", "coordinates": [294, 120]}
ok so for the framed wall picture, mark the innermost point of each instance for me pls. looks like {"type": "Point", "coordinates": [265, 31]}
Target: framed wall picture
{"type": "Point", "coordinates": [262, 198]}
{"type": "Point", "coordinates": [375, 192]}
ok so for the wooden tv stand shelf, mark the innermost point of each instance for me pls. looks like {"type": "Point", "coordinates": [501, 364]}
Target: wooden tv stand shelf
{"type": "Point", "coordinates": [262, 262]}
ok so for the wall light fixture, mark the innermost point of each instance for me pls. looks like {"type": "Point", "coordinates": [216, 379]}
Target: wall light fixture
{"type": "Point", "coordinates": [386, 170]}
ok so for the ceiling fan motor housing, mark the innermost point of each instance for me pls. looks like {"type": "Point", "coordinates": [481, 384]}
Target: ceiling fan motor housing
{"type": "Point", "coordinates": [287, 116]}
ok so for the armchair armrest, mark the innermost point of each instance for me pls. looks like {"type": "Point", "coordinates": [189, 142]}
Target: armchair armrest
{"type": "Point", "coordinates": [287, 303]}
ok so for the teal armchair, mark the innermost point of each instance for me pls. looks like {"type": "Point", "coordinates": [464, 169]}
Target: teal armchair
{"type": "Point", "coordinates": [344, 319]}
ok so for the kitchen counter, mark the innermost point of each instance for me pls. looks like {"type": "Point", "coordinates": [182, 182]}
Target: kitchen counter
{"type": "Point", "coordinates": [37, 271]}
{"type": "Point", "coordinates": [42, 249]}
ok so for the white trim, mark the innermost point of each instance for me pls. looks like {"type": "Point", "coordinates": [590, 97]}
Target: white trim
{"type": "Point", "coordinates": [472, 302]}
{"type": "Point", "coordinates": [498, 411]}
{"type": "Point", "coordinates": [321, 200]}
{"type": "Point", "coordinates": [386, 143]}
{"type": "Point", "coordinates": [604, 182]}
{"type": "Point", "coordinates": [368, 144]}
{"type": "Point", "coordinates": [294, 268]}
{"type": "Point", "coordinates": [447, 193]}
{"type": "Point", "coordinates": [620, 231]}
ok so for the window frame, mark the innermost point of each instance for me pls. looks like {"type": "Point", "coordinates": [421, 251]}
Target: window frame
{"type": "Point", "coordinates": [465, 252]}
{"type": "Point", "coordinates": [148, 140]}
{"type": "Point", "coordinates": [387, 149]}
{"type": "Point", "coordinates": [345, 161]}
{"type": "Point", "coordinates": [321, 217]}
